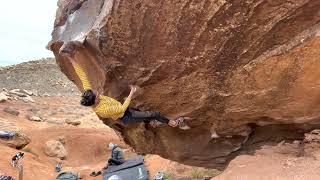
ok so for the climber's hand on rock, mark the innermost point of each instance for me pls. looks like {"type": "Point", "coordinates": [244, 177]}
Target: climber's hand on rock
{"type": "Point", "coordinates": [133, 89]}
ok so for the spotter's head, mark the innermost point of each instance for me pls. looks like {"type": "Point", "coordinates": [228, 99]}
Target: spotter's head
{"type": "Point", "coordinates": [111, 146]}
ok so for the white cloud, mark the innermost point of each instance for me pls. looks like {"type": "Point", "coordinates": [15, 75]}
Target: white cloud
{"type": "Point", "coordinates": [25, 29]}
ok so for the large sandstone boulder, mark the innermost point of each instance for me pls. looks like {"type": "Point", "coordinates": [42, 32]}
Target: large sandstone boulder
{"type": "Point", "coordinates": [55, 148]}
{"type": "Point", "coordinates": [247, 72]}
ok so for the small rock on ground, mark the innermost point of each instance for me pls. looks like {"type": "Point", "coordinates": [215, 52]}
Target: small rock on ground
{"type": "Point", "coordinates": [27, 99]}
{"type": "Point", "coordinates": [3, 97]}
{"type": "Point", "coordinates": [35, 118]}
{"type": "Point", "coordinates": [46, 95]}
{"type": "Point", "coordinates": [55, 148]}
{"type": "Point", "coordinates": [30, 93]}
{"type": "Point", "coordinates": [17, 93]}
{"type": "Point", "coordinates": [74, 123]}
{"type": "Point", "coordinates": [11, 111]}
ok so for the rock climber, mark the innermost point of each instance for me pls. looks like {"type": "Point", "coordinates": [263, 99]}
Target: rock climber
{"type": "Point", "coordinates": [107, 107]}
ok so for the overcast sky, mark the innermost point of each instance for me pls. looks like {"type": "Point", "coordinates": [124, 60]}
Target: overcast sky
{"type": "Point", "coordinates": [25, 28]}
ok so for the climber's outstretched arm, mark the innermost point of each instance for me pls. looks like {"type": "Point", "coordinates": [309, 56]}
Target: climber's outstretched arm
{"type": "Point", "coordinates": [109, 109]}
{"type": "Point", "coordinates": [126, 103]}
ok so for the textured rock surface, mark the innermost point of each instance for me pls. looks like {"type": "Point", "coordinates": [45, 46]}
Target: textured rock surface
{"type": "Point", "coordinates": [247, 72]}
{"type": "Point", "coordinates": [18, 141]}
{"type": "Point", "coordinates": [11, 111]}
{"type": "Point", "coordinates": [3, 97]}
{"type": "Point", "coordinates": [35, 118]}
{"type": "Point", "coordinates": [55, 148]}
{"type": "Point", "coordinates": [72, 122]}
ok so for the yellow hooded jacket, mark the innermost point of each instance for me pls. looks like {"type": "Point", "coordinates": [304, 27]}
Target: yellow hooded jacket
{"type": "Point", "coordinates": [107, 106]}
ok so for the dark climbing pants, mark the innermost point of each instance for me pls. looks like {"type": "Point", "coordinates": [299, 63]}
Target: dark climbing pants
{"type": "Point", "coordinates": [113, 161]}
{"type": "Point", "coordinates": [136, 116]}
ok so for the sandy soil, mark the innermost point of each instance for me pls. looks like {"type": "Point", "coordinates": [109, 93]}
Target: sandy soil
{"type": "Point", "coordinates": [86, 144]}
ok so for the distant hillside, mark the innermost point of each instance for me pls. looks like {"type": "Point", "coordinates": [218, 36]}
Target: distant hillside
{"type": "Point", "coordinates": [41, 75]}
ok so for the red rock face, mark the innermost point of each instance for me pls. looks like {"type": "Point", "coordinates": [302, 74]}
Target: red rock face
{"type": "Point", "coordinates": [247, 72]}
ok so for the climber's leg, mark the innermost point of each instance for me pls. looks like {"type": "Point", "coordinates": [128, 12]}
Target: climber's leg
{"type": "Point", "coordinates": [136, 116]}
{"type": "Point", "coordinates": [113, 161]}
{"type": "Point", "coordinates": [153, 117]}
{"type": "Point", "coordinates": [148, 115]}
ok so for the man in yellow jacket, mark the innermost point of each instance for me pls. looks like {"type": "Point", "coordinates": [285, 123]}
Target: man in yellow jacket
{"type": "Point", "coordinates": [107, 107]}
